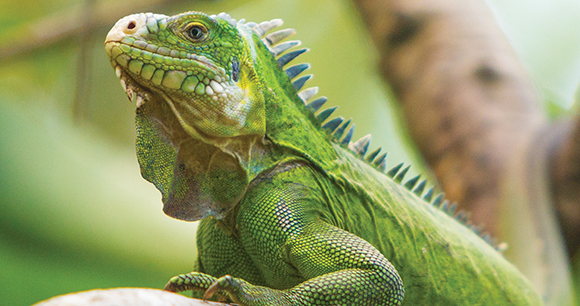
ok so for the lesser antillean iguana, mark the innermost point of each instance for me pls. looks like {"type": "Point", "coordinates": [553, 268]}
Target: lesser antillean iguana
{"type": "Point", "coordinates": [292, 211]}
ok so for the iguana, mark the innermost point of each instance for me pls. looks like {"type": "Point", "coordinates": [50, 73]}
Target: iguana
{"type": "Point", "coordinates": [292, 211]}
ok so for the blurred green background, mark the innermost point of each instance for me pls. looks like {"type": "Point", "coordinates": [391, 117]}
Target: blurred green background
{"type": "Point", "coordinates": [75, 213]}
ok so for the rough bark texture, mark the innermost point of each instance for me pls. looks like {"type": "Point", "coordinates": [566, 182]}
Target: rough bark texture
{"type": "Point", "coordinates": [125, 297]}
{"type": "Point", "coordinates": [467, 101]}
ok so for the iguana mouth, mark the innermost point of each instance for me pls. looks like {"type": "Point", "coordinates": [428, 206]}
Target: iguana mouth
{"type": "Point", "coordinates": [136, 93]}
{"type": "Point", "coordinates": [128, 74]}
{"type": "Point", "coordinates": [165, 69]}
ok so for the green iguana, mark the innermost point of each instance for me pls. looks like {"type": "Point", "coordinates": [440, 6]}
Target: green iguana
{"type": "Point", "coordinates": [292, 212]}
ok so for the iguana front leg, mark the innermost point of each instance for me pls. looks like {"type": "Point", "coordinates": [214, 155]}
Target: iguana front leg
{"type": "Point", "coordinates": [219, 253]}
{"type": "Point", "coordinates": [364, 276]}
{"type": "Point", "coordinates": [367, 278]}
{"type": "Point", "coordinates": [305, 260]}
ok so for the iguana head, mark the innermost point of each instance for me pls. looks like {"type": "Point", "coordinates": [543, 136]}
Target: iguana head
{"type": "Point", "coordinates": [199, 65]}
{"type": "Point", "coordinates": [210, 97]}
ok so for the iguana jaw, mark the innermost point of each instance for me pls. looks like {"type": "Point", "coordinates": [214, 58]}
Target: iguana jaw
{"type": "Point", "coordinates": [134, 92]}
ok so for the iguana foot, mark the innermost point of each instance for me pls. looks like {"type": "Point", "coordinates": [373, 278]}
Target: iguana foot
{"type": "Point", "coordinates": [227, 288]}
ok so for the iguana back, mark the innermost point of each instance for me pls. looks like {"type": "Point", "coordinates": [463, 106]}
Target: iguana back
{"type": "Point", "coordinates": [444, 260]}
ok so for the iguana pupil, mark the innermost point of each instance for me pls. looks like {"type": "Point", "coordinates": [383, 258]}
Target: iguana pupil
{"type": "Point", "coordinates": [196, 32]}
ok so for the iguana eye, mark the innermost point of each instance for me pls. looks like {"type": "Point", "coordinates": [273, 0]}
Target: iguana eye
{"type": "Point", "coordinates": [196, 32]}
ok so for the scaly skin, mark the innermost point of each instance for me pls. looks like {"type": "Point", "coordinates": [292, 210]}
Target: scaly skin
{"type": "Point", "coordinates": [291, 215]}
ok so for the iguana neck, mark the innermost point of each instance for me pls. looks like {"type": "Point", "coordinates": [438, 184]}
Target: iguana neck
{"type": "Point", "coordinates": [289, 123]}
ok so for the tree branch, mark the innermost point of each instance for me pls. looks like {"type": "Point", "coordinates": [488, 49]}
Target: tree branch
{"type": "Point", "coordinates": [125, 297]}
{"type": "Point", "coordinates": [69, 23]}
{"type": "Point", "coordinates": [466, 100]}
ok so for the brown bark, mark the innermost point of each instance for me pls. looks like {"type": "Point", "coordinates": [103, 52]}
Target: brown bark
{"type": "Point", "coordinates": [467, 102]}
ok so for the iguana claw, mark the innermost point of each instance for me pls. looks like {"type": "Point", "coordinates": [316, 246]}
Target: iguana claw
{"type": "Point", "coordinates": [190, 281]}
{"type": "Point", "coordinates": [222, 284]}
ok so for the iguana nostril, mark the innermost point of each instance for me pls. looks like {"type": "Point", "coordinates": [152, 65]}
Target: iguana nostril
{"type": "Point", "coordinates": [131, 27]}
{"type": "Point", "coordinates": [127, 27]}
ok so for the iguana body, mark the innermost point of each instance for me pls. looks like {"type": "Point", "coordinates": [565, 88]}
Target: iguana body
{"type": "Point", "coordinates": [292, 213]}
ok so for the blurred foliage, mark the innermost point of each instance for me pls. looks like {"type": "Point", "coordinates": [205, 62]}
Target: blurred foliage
{"type": "Point", "coordinates": [76, 215]}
